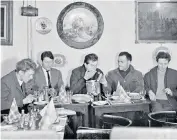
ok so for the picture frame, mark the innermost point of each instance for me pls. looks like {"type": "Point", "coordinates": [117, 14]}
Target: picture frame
{"type": "Point", "coordinates": [7, 22]}
{"type": "Point", "coordinates": [156, 21]}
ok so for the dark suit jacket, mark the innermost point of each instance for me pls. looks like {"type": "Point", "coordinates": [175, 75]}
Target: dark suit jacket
{"type": "Point", "coordinates": [40, 81]}
{"type": "Point", "coordinates": [77, 81]}
{"type": "Point", "coordinates": [170, 81]}
{"type": "Point", "coordinates": [10, 88]}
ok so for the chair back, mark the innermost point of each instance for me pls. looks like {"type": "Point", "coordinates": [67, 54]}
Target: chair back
{"type": "Point", "coordinates": [93, 133]}
{"type": "Point", "coordinates": [110, 120]}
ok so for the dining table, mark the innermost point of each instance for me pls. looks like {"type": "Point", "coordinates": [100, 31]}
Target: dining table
{"type": "Point", "coordinates": [82, 108]}
{"type": "Point", "coordinates": [11, 131]}
{"type": "Point", "coordinates": [98, 110]}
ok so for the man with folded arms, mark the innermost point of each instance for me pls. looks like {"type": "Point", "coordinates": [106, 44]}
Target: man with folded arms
{"type": "Point", "coordinates": [161, 84]}
{"type": "Point", "coordinates": [13, 85]}
{"type": "Point", "coordinates": [88, 71]}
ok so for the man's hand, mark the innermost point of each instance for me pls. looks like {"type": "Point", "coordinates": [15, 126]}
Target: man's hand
{"type": "Point", "coordinates": [103, 81]}
{"type": "Point", "coordinates": [89, 74]}
{"type": "Point", "coordinates": [168, 91]}
{"type": "Point", "coordinates": [28, 99]}
{"type": "Point", "coordinates": [152, 96]}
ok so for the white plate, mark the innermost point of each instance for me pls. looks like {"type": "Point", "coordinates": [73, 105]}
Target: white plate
{"type": "Point", "coordinates": [62, 111]}
{"type": "Point", "coordinates": [100, 103]}
{"type": "Point", "coordinates": [57, 127]}
{"type": "Point", "coordinates": [115, 97]}
{"type": "Point", "coordinates": [135, 96]}
{"type": "Point", "coordinates": [41, 103]}
{"type": "Point", "coordinates": [81, 98]}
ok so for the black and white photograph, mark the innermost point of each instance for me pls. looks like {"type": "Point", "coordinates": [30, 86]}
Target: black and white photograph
{"type": "Point", "coordinates": [95, 69]}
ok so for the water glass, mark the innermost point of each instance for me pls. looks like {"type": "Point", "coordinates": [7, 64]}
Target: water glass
{"type": "Point", "coordinates": [108, 94]}
{"type": "Point", "coordinates": [143, 93]}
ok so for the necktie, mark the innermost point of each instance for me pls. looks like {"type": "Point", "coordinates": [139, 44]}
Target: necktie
{"type": "Point", "coordinates": [48, 76]}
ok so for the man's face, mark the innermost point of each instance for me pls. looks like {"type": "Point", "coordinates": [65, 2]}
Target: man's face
{"type": "Point", "coordinates": [162, 64]}
{"type": "Point", "coordinates": [47, 63]}
{"type": "Point", "coordinates": [26, 75]}
{"type": "Point", "coordinates": [123, 63]}
{"type": "Point", "coordinates": [91, 66]}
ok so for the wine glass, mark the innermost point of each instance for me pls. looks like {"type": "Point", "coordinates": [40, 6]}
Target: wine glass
{"type": "Point", "coordinates": [108, 95]}
{"type": "Point", "coordinates": [143, 93]}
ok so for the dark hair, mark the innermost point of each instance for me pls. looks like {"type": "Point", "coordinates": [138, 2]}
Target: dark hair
{"type": "Point", "coordinates": [92, 57]}
{"type": "Point", "coordinates": [47, 54]}
{"type": "Point", "coordinates": [163, 55]}
{"type": "Point", "coordinates": [25, 64]}
{"type": "Point", "coordinates": [128, 55]}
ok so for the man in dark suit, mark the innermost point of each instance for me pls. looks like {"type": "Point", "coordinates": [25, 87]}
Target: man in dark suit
{"type": "Point", "coordinates": [45, 75]}
{"type": "Point", "coordinates": [13, 85]}
{"type": "Point", "coordinates": [88, 71]}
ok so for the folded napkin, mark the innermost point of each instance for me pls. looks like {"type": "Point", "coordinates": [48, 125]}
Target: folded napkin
{"type": "Point", "coordinates": [49, 115]}
{"type": "Point", "coordinates": [62, 95]}
{"type": "Point", "coordinates": [121, 93]}
{"type": "Point", "coordinates": [14, 114]}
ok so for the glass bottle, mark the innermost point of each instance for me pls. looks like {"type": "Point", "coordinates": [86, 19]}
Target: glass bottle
{"type": "Point", "coordinates": [46, 94]}
{"type": "Point", "coordinates": [22, 119]}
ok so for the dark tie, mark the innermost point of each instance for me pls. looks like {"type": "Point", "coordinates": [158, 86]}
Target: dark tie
{"type": "Point", "coordinates": [48, 76]}
{"type": "Point", "coordinates": [23, 87]}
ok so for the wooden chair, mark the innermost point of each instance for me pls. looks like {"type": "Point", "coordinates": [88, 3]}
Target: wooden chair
{"type": "Point", "coordinates": [110, 120]}
{"type": "Point", "coordinates": [92, 133]}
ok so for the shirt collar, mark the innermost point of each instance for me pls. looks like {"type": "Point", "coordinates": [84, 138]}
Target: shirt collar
{"type": "Point", "coordinates": [44, 70]}
{"type": "Point", "coordinates": [19, 81]}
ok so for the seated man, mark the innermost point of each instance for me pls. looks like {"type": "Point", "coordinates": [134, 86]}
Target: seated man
{"type": "Point", "coordinates": [161, 84]}
{"type": "Point", "coordinates": [88, 71]}
{"type": "Point", "coordinates": [45, 75]}
{"type": "Point", "coordinates": [13, 85]}
{"type": "Point", "coordinates": [130, 79]}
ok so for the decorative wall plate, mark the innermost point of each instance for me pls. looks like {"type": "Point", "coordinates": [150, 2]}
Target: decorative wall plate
{"type": "Point", "coordinates": [80, 25]}
{"type": "Point", "coordinates": [43, 25]}
{"type": "Point", "coordinates": [59, 60]}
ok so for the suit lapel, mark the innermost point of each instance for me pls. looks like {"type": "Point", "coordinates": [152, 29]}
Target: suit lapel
{"type": "Point", "coordinates": [53, 76]}
{"type": "Point", "coordinates": [42, 76]}
{"type": "Point", "coordinates": [17, 84]}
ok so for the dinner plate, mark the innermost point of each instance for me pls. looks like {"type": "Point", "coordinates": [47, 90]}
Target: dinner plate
{"type": "Point", "coordinates": [57, 127]}
{"type": "Point", "coordinates": [63, 111]}
{"type": "Point", "coordinates": [81, 98]}
{"type": "Point", "coordinates": [41, 103]}
{"type": "Point", "coordinates": [100, 103]}
{"type": "Point", "coordinates": [115, 97]}
{"type": "Point", "coordinates": [135, 96]}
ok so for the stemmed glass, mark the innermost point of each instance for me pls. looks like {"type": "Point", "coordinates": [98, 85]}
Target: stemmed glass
{"type": "Point", "coordinates": [143, 93]}
{"type": "Point", "coordinates": [108, 96]}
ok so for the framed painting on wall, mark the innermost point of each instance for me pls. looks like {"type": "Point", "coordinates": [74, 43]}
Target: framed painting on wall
{"type": "Point", "coordinates": [6, 22]}
{"type": "Point", "coordinates": [156, 21]}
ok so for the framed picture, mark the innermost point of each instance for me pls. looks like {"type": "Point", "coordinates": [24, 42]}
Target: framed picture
{"type": "Point", "coordinates": [6, 22]}
{"type": "Point", "coordinates": [156, 21]}
{"type": "Point", "coordinates": [80, 25]}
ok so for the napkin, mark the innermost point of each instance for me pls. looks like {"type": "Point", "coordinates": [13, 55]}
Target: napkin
{"type": "Point", "coordinates": [49, 116]}
{"type": "Point", "coordinates": [14, 114]}
{"type": "Point", "coordinates": [62, 95]}
{"type": "Point", "coordinates": [121, 93]}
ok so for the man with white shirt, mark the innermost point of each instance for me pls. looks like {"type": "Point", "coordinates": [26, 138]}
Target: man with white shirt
{"type": "Point", "coordinates": [13, 85]}
{"type": "Point", "coordinates": [45, 75]}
